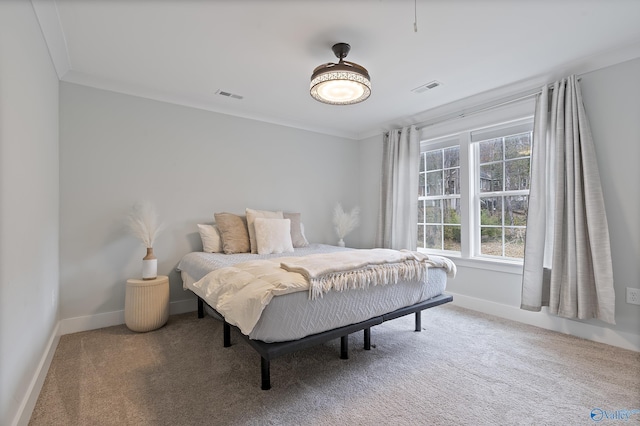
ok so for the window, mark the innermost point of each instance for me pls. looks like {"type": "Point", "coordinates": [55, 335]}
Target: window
{"type": "Point", "coordinates": [504, 165]}
{"type": "Point", "coordinates": [474, 192]}
{"type": "Point", "coordinates": [439, 199]}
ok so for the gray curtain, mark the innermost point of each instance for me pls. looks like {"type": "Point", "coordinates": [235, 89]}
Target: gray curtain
{"type": "Point", "coordinates": [567, 260]}
{"type": "Point", "coordinates": [398, 213]}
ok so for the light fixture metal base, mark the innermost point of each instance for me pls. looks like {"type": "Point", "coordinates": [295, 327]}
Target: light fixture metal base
{"type": "Point", "coordinates": [341, 50]}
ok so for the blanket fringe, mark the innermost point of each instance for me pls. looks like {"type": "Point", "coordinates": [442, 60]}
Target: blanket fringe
{"type": "Point", "coordinates": [409, 270]}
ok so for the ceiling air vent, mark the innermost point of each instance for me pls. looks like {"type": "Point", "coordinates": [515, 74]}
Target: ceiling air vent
{"type": "Point", "coordinates": [431, 85]}
{"type": "Point", "coordinates": [228, 94]}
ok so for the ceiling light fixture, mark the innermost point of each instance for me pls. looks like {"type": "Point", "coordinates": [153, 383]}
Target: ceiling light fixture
{"type": "Point", "coordinates": [344, 83]}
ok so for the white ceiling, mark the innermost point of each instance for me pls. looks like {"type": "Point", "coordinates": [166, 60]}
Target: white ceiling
{"type": "Point", "coordinates": [183, 51]}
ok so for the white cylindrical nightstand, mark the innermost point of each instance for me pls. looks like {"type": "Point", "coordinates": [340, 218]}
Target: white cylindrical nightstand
{"type": "Point", "coordinates": [146, 303]}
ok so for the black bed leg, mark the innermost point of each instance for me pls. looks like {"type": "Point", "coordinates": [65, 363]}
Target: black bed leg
{"type": "Point", "coordinates": [200, 308]}
{"type": "Point", "coordinates": [419, 321]}
{"type": "Point", "coordinates": [367, 339]}
{"type": "Point", "coordinates": [344, 347]}
{"type": "Point", "coordinates": [266, 376]}
{"type": "Point", "coordinates": [227, 334]}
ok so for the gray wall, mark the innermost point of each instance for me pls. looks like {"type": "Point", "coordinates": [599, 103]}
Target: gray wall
{"type": "Point", "coordinates": [28, 203]}
{"type": "Point", "coordinates": [369, 197]}
{"type": "Point", "coordinates": [116, 150]}
{"type": "Point", "coordinates": [612, 101]}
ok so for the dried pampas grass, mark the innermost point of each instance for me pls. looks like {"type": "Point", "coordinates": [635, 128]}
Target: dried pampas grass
{"type": "Point", "coordinates": [345, 222]}
{"type": "Point", "coordinates": [143, 223]}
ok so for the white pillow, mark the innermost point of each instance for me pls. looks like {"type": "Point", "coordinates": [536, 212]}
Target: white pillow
{"type": "Point", "coordinates": [211, 241]}
{"type": "Point", "coordinates": [251, 217]}
{"type": "Point", "coordinates": [273, 235]}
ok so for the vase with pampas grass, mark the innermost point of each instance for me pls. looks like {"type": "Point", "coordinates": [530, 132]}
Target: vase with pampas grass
{"type": "Point", "coordinates": [144, 225]}
{"type": "Point", "coordinates": [344, 222]}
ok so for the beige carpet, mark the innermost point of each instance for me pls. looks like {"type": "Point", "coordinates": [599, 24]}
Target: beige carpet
{"type": "Point", "coordinates": [464, 368]}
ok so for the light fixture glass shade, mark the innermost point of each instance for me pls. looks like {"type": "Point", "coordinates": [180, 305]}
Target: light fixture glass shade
{"type": "Point", "coordinates": [344, 83]}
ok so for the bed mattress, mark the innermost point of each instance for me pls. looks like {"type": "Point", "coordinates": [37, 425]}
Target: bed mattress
{"type": "Point", "coordinates": [294, 316]}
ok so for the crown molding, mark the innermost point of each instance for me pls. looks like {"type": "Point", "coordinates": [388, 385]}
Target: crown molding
{"type": "Point", "coordinates": [49, 21]}
{"type": "Point", "coordinates": [171, 98]}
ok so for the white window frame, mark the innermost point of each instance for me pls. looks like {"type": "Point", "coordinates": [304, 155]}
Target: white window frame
{"type": "Point", "coordinates": [443, 143]}
{"type": "Point", "coordinates": [463, 130]}
{"type": "Point", "coordinates": [521, 126]}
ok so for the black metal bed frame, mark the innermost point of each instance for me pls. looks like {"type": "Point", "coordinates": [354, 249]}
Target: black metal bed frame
{"type": "Point", "coordinates": [269, 351]}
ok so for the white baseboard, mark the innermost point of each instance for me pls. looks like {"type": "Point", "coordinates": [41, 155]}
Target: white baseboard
{"type": "Point", "coordinates": [550, 322]}
{"type": "Point", "coordinates": [108, 319]}
{"type": "Point", "coordinates": [33, 391]}
{"type": "Point", "coordinates": [91, 322]}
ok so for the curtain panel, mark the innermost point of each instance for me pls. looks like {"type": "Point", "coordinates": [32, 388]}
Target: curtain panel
{"type": "Point", "coordinates": [398, 210]}
{"type": "Point", "coordinates": [567, 260]}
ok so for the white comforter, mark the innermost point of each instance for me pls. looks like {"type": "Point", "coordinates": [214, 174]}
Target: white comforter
{"type": "Point", "coordinates": [241, 292]}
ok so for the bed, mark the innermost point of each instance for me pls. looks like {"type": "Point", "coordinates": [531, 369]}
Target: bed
{"type": "Point", "coordinates": [292, 318]}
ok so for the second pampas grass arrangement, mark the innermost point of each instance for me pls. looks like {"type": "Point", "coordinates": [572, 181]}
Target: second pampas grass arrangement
{"type": "Point", "coordinates": [144, 224]}
{"type": "Point", "coordinates": [344, 222]}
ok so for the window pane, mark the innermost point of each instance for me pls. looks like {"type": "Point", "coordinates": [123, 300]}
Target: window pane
{"type": "Point", "coordinates": [452, 181]}
{"type": "Point", "coordinates": [434, 183]}
{"type": "Point", "coordinates": [434, 160]}
{"type": "Point", "coordinates": [517, 174]}
{"type": "Point", "coordinates": [515, 210]}
{"type": "Point", "coordinates": [491, 241]}
{"type": "Point", "coordinates": [422, 185]}
{"type": "Point", "coordinates": [433, 237]}
{"type": "Point", "coordinates": [432, 210]}
{"type": "Point", "coordinates": [423, 161]}
{"type": "Point", "coordinates": [514, 242]}
{"type": "Point", "coordinates": [452, 237]}
{"type": "Point", "coordinates": [517, 146]}
{"type": "Point", "coordinates": [451, 211]}
{"type": "Point", "coordinates": [491, 211]}
{"type": "Point", "coordinates": [502, 216]}
{"type": "Point", "coordinates": [440, 184]}
{"type": "Point", "coordinates": [491, 150]}
{"type": "Point", "coordinates": [491, 177]}
{"type": "Point", "coordinates": [452, 157]}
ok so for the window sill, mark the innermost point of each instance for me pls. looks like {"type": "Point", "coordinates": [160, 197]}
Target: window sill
{"type": "Point", "coordinates": [506, 266]}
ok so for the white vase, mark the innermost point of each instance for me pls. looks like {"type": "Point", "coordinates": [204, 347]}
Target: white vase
{"type": "Point", "coordinates": [341, 242]}
{"type": "Point", "coordinates": [149, 265]}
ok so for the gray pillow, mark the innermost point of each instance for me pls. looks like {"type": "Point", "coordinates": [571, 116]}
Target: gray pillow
{"type": "Point", "coordinates": [297, 236]}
